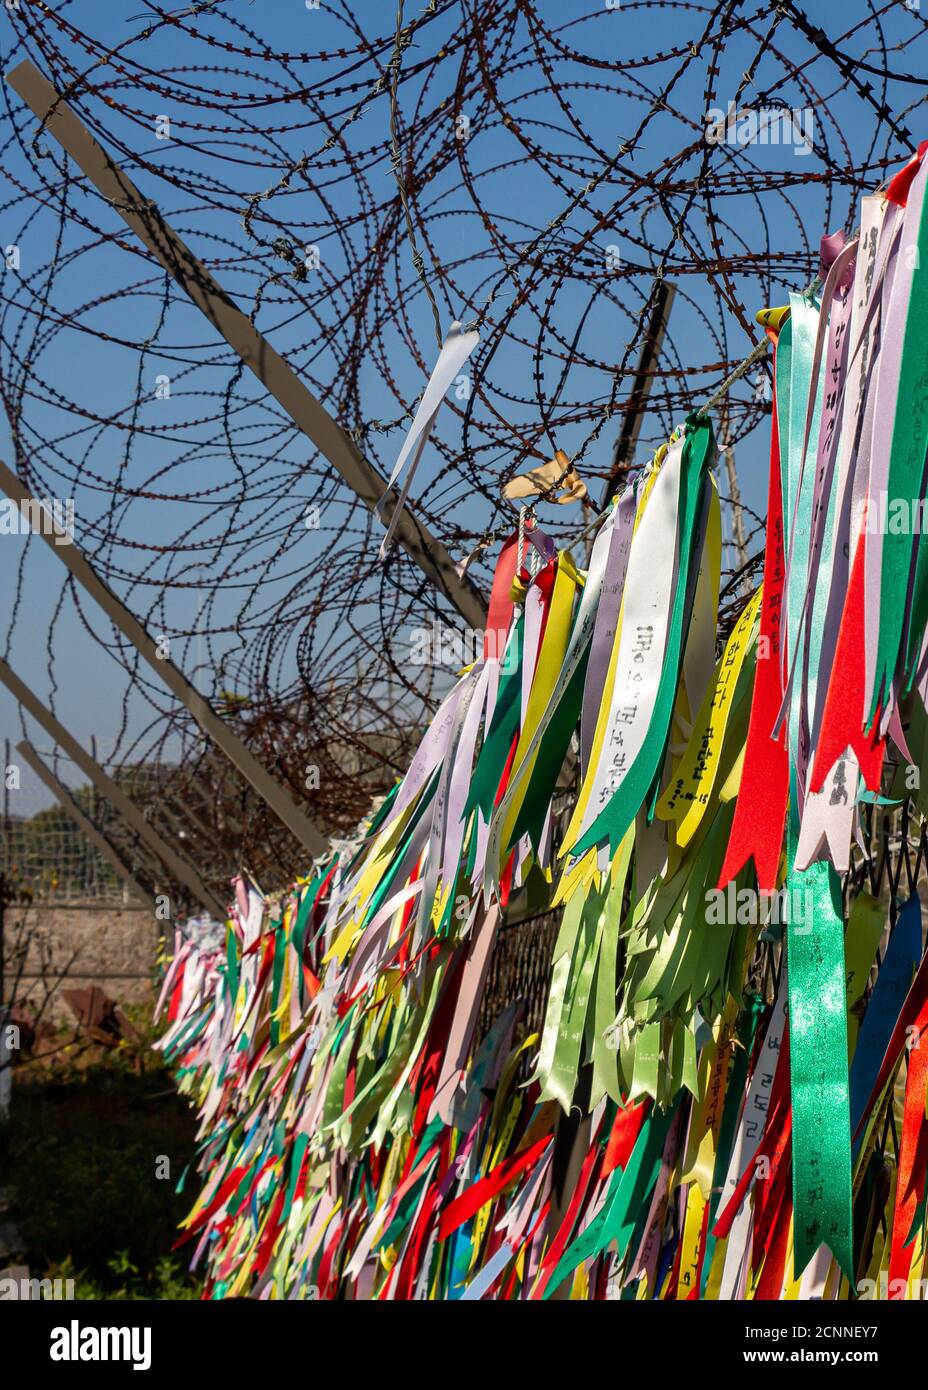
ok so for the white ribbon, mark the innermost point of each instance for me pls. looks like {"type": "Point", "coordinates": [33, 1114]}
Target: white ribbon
{"type": "Point", "coordinates": [649, 590]}
{"type": "Point", "coordinates": [455, 351]}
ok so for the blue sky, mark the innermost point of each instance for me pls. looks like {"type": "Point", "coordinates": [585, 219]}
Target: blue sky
{"type": "Point", "coordinates": [603, 98]}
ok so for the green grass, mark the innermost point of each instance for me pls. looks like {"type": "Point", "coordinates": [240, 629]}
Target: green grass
{"type": "Point", "coordinates": [81, 1152]}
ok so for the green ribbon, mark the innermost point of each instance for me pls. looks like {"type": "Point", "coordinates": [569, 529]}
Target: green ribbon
{"type": "Point", "coordinates": [821, 1138]}
{"type": "Point", "coordinates": [627, 1195]}
{"type": "Point", "coordinates": [503, 727]}
{"type": "Point", "coordinates": [818, 1069]}
{"type": "Point", "coordinates": [277, 974]}
{"type": "Point", "coordinates": [905, 482]}
{"type": "Point", "coordinates": [232, 973]}
{"type": "Point", "coordinates": [549, 760]}
{"type": "Point", "coordinates": [571, 983]}
{"type": "Point", "coordinates": [606, 1078]}
{"type": "Point", "coordinates": [621, 809]}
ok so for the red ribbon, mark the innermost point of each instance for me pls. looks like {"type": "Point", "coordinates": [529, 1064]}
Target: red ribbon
{"type": "Point", "coordinates": [913, 1157]}
{"type": "Point", "coordinates": [898, 190]}
{"type": "Point", "coordinates": [842, 718]}
{"type": "Point", "coordinates": [469, 1203]}
{"type": "Point", "coordinates": [625, 1131]}
{"type": "Point", "coordinates": [760, 811]}
{"type": "Point", "coordinates": [499, 613]}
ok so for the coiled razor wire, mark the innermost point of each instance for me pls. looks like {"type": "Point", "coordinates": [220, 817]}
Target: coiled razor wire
{"type": "Point", "coordinates": [351, 173]}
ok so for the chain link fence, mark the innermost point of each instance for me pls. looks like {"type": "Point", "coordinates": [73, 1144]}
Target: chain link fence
{"type": "Point", "coordinates": [44, 855]}
{"type": "Point", "coordinates": [889, 861]}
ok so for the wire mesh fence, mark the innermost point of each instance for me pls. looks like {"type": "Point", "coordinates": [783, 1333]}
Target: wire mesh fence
{"type": "Point", "coordinates": [45, 857]}
{"type": "Point", "coordinates": [889, 862]}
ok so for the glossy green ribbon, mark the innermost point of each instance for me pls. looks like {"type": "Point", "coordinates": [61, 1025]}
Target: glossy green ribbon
{"type": "Point", "coordinates": [549, 760]}
{"type": "Point", "coordinates": [503, 728]}
{"type": "Point", "coordinates": [818, 1068]}
{"type": "Point", "coordinates": [821, 1139]}
{"type": "Point", "coordinates": [606, 1078]}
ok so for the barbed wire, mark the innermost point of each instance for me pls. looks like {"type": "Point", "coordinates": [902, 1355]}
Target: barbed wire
{"type": "Point", "coordinates": [357, 180]}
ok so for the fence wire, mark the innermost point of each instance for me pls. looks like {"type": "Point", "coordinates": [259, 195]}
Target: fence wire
{"type": "Point", "coordinates": [532, 168]}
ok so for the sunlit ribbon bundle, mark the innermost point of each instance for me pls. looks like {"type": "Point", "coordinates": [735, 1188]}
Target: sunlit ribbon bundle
{"type": "Point", "coordinates": [712, 1007]}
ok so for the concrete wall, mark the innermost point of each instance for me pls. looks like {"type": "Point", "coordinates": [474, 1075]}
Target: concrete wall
{"type": "Point", "coordinates": [73, 945]}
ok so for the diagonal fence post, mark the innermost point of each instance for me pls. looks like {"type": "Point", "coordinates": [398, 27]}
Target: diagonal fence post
{"type": "Point", "coordinates": [70, 806]}
{"type": "Point", "coordinates": [180, 871]}
{"type": "Point", "coordinates": [128, 624]}
{"type": "Point", "coordinates": [306, 412]}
